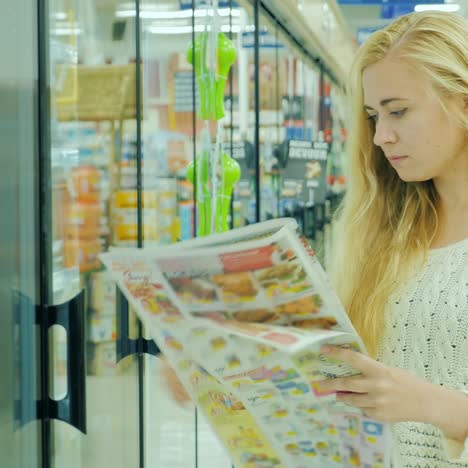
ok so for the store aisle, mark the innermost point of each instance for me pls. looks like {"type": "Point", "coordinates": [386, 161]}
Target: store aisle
{"type": "Point", "coordinates": [171, 435]}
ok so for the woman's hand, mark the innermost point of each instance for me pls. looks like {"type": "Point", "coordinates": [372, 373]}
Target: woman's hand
{"type": "Point", "coordinates": [389, 394]}
{"type": "Point", "coordinates": [384, 393]}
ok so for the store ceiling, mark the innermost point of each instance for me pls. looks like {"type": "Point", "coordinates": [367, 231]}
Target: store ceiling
{"type": "Point", "coordinates": [359, 14]}
{"type": "Point", "coordinates": [362, 16]}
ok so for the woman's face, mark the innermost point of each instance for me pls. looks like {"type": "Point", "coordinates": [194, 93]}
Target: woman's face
{"type": "Point", "coordinates": [418, 138]}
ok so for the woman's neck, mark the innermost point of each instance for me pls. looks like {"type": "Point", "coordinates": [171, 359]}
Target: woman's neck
{"type": "Point", "coordinates": [453, 225]}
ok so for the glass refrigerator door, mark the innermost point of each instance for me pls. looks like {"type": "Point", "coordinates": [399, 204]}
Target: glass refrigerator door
{"type": "Point", "coordinates": [176, 434]}
{"type": "Point", "coordinates": [20, 432]}
{"type": "Point", "coordinates": [92, 101]}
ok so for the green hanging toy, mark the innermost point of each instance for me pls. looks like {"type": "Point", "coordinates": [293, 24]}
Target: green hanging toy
{"type": "Point", "coordinates": [211, 91]}
{"type": "Point", "coordinates": [211, 88]}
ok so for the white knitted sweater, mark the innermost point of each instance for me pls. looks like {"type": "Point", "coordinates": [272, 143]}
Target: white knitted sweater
{"type": "Point", "coordinates": [426, 332]}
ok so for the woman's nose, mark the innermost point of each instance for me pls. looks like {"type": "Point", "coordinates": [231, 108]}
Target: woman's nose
{"type": "Point", "coordinates": [384, 133]}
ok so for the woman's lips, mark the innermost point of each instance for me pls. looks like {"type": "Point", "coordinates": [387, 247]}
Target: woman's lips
{"type": "Point", "coordinates": [395, 160]}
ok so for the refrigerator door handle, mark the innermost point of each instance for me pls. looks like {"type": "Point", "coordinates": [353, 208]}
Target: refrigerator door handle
{"type": "Point", "coordinates": [311, 230]}
{"type": "Point", "coordinates": [71, 316]}
{"type": "Point", "coordinates": [125, 346]}
{"type": "Point", "coordinates": [320, 216]}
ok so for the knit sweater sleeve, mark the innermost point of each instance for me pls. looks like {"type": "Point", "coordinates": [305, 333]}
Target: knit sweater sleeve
{"type": "Point", "coordinates": [456, 451]}
{"type": "Point", "coordinates": [426, 332]}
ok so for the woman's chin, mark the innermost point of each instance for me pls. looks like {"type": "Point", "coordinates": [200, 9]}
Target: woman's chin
{"type": "Point", "coordinates": [409, 177]}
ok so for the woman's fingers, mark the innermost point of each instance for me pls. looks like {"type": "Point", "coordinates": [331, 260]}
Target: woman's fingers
{"type": "Point", "coordinates": [358, 400]}
{"type": "Point", "coordinates": [356, 384]}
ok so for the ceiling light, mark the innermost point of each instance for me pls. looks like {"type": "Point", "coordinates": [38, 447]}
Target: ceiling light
{"type": "Point", "coordinates": [188, 29]}
{"type": "Point", "coordinates": [173, 29]}
{"type": "Point", "coordinates": [451, 7]}
{"type": "Point", "coordinates": [234, 28]}
{"type": "Point", "coordinates": [154, 14]}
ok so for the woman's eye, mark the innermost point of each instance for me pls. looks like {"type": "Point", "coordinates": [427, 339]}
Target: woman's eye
{"type": "Point", "coordinates": [398, 113]}
{"type": "Point", "coordinates": [373, 117]}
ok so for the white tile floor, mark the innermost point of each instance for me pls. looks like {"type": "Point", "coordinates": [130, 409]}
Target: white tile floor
{"type": "Point", "coordinates": [171, 434]}
{"type": "Point", "coordinates": [112, 437]}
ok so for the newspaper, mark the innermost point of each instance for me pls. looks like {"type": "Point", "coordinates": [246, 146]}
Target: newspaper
{"type": "Point", "coordinates": [241, 317]}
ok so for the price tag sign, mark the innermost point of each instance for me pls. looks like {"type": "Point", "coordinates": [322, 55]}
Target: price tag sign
{"type": "Point", "coordinates": [189, 4]}
{"type": "Point", "coordinates": [304, 177]}
{"type": "Point", "coordinates": [265, 39]}
{"type": "Point", "coordinates": [242, 152]}
{"type": "Point", "coordinates": [183, 92]}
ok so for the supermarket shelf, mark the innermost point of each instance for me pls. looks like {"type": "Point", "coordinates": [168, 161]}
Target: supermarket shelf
{"type": "Point", "coordinates": [340, 42]}
{"type": "Point", "coordinates": [318, 29]}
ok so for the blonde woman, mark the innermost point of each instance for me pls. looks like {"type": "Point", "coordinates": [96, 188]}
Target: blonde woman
{"type": "Point", "coordinates": [402, 251]}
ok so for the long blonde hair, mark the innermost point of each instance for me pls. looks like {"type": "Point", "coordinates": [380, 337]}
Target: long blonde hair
{"type": "Point", "coordinates": [384, 224]}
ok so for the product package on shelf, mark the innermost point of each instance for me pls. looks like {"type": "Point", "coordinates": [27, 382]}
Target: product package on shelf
{"type": "Point", "coordinates": [180, 92]}
{"type": "Point", "coordinates": [101, 325]}
{"type": "Point", "coordinates": [82, 223]}
{"type": "Point", "coordinates": [187, 219]}
{"type": "Point", "coordinates": [102, 296]}
{"type": "Point", "coordinates": [241, 317]}
{"type": "Point", "coordinates": [159, 215]}
{"type": "Point", "coordinates": [101, 328]}
{"type": "Point", "coordinates": [102, 358]}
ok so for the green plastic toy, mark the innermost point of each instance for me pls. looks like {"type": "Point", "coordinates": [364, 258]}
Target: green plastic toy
{"type": "Point", "coordinates": [230, 171]}
{"type": "Point", "coordinates": [211, 88]}
{"type": "Point", "coordinates": [226, 170]}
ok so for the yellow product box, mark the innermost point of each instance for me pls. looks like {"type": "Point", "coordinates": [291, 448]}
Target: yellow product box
{"type": "Point", "coordinates": [129, 232]}
{"type": "Point", "coordinates": [170, 232]}
{"type": "Point", "coordinates": [130, 216]}
{"type": "Point", "coordinates": [129, 199]}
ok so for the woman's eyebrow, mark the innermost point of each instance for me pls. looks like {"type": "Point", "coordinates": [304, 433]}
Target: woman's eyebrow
{"type": "Point", "coordinates": [384, 102]}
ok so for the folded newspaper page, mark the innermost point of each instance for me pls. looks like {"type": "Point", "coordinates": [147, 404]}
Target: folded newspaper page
{"type": "Point", "coordinates": [241, 317]}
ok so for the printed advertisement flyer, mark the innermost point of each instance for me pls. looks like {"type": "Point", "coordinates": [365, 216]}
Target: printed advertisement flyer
{"type": "Point", "coordinates": [241, 317]}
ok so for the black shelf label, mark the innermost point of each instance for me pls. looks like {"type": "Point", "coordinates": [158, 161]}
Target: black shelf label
{"type": "Point", "coordinates": [305, 174]}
